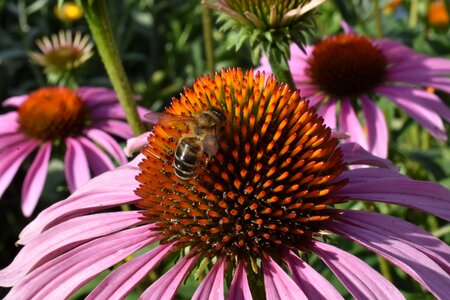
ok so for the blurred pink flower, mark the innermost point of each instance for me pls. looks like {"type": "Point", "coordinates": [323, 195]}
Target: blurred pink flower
{"type": "Point", "coordinates": [349, 70]}
{"type": "Point", "coordinates": [263, 200]}
{"type": "Point", "coordinates": [82, 120]}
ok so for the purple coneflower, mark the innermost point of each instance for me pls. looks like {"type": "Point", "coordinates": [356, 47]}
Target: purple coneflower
{"type": "Point", "coordinates": [266, 198]}
{"type": "Point", "coordinates": [81, 120]}
{"type": "Point", "coordinates": [349, 70]}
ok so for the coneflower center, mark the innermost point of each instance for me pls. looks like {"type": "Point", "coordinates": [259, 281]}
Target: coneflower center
{"type": "Point", "coordinates": [267, 186]}
{"type": "Point", "coordinates": [52, 113]}
{"type": "Point", "coordinates": [347, 65]}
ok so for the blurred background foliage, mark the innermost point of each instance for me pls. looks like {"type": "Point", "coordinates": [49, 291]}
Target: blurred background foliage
{"type": "Point", "coordinates": [161, 44]}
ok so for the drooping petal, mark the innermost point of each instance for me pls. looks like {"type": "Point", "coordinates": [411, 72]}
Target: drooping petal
{"type": "Point", "coordinates": [348, 121]}
{"type": "Point", "coordinates": [15, 101]}
{"type": "Point", "coordinates": [10, 139]}
{"type": "Point", "coordinates": [76, 165]}
{"type": "Point", "coordinates": [10, 160]}
{"type": "Point", "coordinates": [9, 123]}
{"type": "Point", "coordinates": [328, 112]}
{"type": "Point", "coordinates": [367, 174]}
{"type": "Point", "coordinates": [60, 277]}
{"type": "Point", "coordinates": [377, 131]}
{"type": "Point", "coordinates": [119, 128]}
{"type": "Point", "coordinates": [309, 280]}
{"type": "Point", "coordinates": [62, 237]}
{"type": "Point", "coordinates": [239, 288]}
{"type": "Point", "coordinates": [423, 115]}
{"type": "Point", "coordinates": [278, 284]}
{"type": "Point", "coordinates": [122, 280]}
{"type": "Point", "coordinates": [114, 111]}
{"type": "Point", "coordinates": [107, 190]}
{"type": "Point", "coordinates": [98, 161]}
{"type": "Point", "coordinates": [167, 285]}
{"type": "Point", "coordinates": [35, 179]}
{"type": "Point", "coordinates": [418, 265]}
{"type": "Point", "coordinates": [400, 230]}
{"type": "Point", "coordinates": [212, 286]}
{"type": "Point", "coordinates": [107, 142]}
{"type": "Point", "coordinates": [427, 196]}
{"type": "Point", "coordinates": [359, 278]}
{"type": "Point", "coordinates": [94, 96]}
{"type": "Point", "coordinates": [354, 154]}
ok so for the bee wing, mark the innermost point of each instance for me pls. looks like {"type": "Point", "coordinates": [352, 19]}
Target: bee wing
{"type": "Point", "coordinates": [167, 118]}
{"type": "Point", "coordinates": [210, 144]}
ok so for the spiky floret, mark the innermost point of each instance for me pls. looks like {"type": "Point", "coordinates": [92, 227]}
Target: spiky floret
{"type": "Point", "coordinates": [269, 184]}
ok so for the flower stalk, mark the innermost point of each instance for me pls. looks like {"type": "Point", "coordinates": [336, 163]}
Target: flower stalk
{"type": "Point", "coordinates": [208, 39]}
{"type": "Point", "coordinates": [96, 13]}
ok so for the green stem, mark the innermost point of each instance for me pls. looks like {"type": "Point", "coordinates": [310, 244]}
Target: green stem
{"type": "Point", "coordinates": [378, 23]}
{"type": "Point", "coordinates": [384, 268]}
{"type": "Point", "coordinates": [208, 38]}
{"type": "Point", "coordinates": [413, 13]}
{"type": "Point", "coordinates": [282, 74]}
{"type": "Point", "coordinates": [96, 13]}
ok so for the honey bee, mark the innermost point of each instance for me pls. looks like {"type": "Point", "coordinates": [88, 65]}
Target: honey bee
{"type": "Point", "coordinates": [201, 138]}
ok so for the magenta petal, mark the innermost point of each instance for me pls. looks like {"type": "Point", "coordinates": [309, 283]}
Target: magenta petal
{"type": "Point", "coordinates": [9, 139]}
{"type": "Point", "coordinates": [377, 131]}
{"type": "Point", "coordinates": [10, 160]}
{"type": "Point", "coordinates": [98, 161]}
{"type": "Point", "coordinates": [354, 154]}
{"type": "Point", "coordinates": [309, 280]}
{"type": "Point", "coordinates": [427, 196]}
{"type": "Point", "coordinates": [119, 128]}
{"type": "Point", "coordinates": [167, 285]}
{"type": "Point", "coordinates": [359, 278]}
{"type": "Point", "coordinates": [15, 101]}
{"type": "Point", "coordinates": [401, 230]}
{"type": "Point", "coordinates": [35, 179]}
{"type": "Point", "coordinates": [108, 143]}
{"type": "Point", "coordinates": [212, 286]}
{"type": "Point", "coordinates": [137, 144]}
{"type": "Point", "coordinates": [94, 96]}
{"type": "Point", "coordinates": [422, 114]}
{"type": "Point", "coordinates": [120, 282]}
{"type": "Point", "coordinates": [75, 164]}
{"type": "Point", "coordinates": [364, 175]}
{"type": "Point", "coordinates": [239, 288]}
{"type": "Point", "coordinates": [9, 123]}
{"type": "Point", "coordinates": [278, 284]}
{"type": "Point", "coordinates": [60, 277]}
{"type": "Point", "coordinates": [63, 237]}
{"type": "Point", "coordinates": [108, 111]}
{"type": "Point", "coordinates": [107, 190]}
{"type": "Point", "coordinates": [348, 122]}
{"type": "Point", "coordinates": [418, 265]}
{"type": "Point", "coordinates": [328, 112]}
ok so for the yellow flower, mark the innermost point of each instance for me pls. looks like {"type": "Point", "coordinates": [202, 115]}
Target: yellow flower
{"type": "Point", "coordinates": [68, 12]}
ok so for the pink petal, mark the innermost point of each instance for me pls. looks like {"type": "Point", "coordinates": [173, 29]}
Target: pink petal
{"type": "Point", "coordinates": [76, 164]}
{"type": "Point", "coordinates": [94, 96]}
{"type": "Point", "coordinates": [239, 288]}
{"type": "Point", "coordinates": [15, 101]}
{"type": "Point", "coordinates": [360, 279]}
{"type": "Point", "coordinates": [360, 176]}
{"type": "Point", "coordinates": [119, 128]}
{"type": "Point", "coordinates": [113, 111]}
{"type": "Point", "coordinates": [63, 237]}
{"type": "Point", "coordinates": [354, 154]}
{"type": "Point", "coordinates": [377, 131]}
{"type": "Point", "coordinates": [9, 123]}
{"type": "Point", "coordinates": [348, 29]}
{"type": "Point", "coordinates": [277, 283]}
{"type": "Point", "coordinates": [10, 160]}
{"type": "Point", "coordinates": [167, 285]}
{"type": "Point", "coordinates": [110, 189]}
{"type": "Point", "coordinates": [60, 277]}
{"type": "Point", "coordinates": [348, 122]}
{"type": "Point", "coordinates": [7, 140]}
{"type": "Point", "coordinates": [427, 196]}
{"type": "Point", "coordinates": [309, 280]}
{"type": "Point", "coordinates": [122, 280]}
{"type": "Point", "coordinates": [423, 115]}
{"type": "Point", "coordinates": [419, 266]}
{"type": "Point", "coordinates": [328, 112]}
{"type": "Point", "coordinates": [212, 286]}
{"type": "Point", "coordinates": [137, 144]}
{"type": "Point", "coordinates": [400, 230]}
{"type": "Point", "coordinates": [98, 161]}
{"type": "Point", "coordinates": [107, 142]}
{"type": "Point", "coordinates": [35, 179]}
